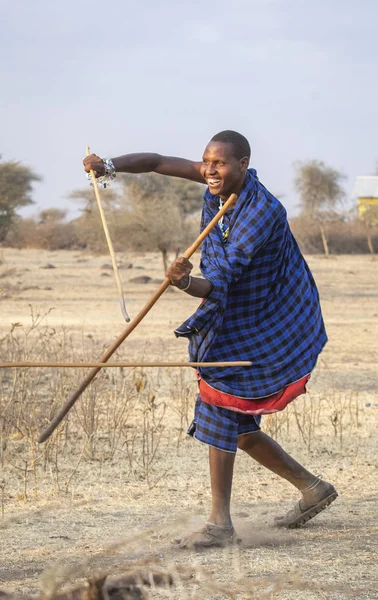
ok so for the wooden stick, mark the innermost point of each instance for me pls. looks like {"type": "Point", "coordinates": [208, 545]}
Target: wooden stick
{"type": "Point", "coordinates": [108, 353]}
{"type": "Point", "coordinates": [110, 245]}
{"type": "Point", "coordinates": [72, 365]}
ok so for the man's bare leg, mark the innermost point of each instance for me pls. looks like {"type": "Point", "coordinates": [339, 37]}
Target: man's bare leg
{"type": "Point", "coordinates": [218, 531]}
{"type": "Point", "coordinates": [269, 454]}
{"type": "Point", "coordinates": [221, 472]}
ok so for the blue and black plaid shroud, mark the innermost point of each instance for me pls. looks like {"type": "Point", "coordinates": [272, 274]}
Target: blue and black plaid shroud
{"type": "Point", "coordinates": [264, 306]}
{"type": "Point", "coordinates": [220, 427]}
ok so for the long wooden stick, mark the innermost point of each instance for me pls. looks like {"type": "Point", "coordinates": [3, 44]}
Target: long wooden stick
{"type": "Point", "coordinates": [74, 365]}
{"type": "Point", "coordinates": [110, 245]}
{"type": "Point", "coordinates": [108, 353]}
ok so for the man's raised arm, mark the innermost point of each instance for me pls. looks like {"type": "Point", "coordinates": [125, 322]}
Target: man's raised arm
{"type": "Point", "coordinates": [147, 162]}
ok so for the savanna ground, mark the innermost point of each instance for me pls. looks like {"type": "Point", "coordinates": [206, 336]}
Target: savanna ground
{"type": "Point", "coordinates": [119, 479]}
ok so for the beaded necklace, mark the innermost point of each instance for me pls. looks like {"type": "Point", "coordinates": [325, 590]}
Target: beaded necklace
{"type": "Point", "coordinates": [224, 229]}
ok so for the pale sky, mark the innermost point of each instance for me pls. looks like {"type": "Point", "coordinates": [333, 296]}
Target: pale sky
{"type": "Point", "coordinates": [297, 78]}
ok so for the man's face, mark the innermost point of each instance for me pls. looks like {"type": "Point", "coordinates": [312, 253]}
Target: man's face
{"type": "Point", "coordinates": [222, 171]}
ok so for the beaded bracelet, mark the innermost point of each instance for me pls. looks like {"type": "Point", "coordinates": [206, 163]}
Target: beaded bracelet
{"type": "Point", "coordinates": [109, 175]}
{"type": "Point", "coordinates": [109, 167]}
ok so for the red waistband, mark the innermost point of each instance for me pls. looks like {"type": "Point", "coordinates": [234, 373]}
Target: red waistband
{"type": "Point", "coordinates": [254, 406]}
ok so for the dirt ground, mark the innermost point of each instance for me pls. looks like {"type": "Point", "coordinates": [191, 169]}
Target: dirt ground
{"type": "Point", "coordinates": [107, 516]}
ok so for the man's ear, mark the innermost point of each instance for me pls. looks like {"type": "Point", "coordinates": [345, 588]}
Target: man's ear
{"type": "Point", "coordinates": [244, 162]}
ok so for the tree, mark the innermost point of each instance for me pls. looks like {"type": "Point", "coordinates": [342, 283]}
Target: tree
{"type": "Point", "coordinates": [158, 207]}
{"type": "Point", "coordinates": [86, 197]}
{"type": "Point", "coordinates": [52, 215]}
{"type": "Point", "coordinates": [88, 226]}
{"type": "Point", "coordinates": [145, 211]}
{"type": "Point", "coordinates": [53, 233]}
{"type": "Point", "coordinates": [369, 218]}
{"type": "Point", "coordinates": [320, 190]}
{"type": "Point", "coordinates": [16, 184]}
{"type": "Point", "coordinates": [189, 194]}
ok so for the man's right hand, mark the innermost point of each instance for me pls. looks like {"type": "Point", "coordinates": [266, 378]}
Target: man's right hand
{"type": "Point", "coordinates": [94, 162]}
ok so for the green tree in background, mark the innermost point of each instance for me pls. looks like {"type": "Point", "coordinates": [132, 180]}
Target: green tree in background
{"type": "Point", "coordinates": [16, 185]}
{"type": "Point", "coordinates": [320, 191]}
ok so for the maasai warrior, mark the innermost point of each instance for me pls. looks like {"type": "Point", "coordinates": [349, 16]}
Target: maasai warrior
{"type": "Point", "coordinates": [260, 303]}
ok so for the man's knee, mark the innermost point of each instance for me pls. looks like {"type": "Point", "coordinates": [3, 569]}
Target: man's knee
{"type": "Point", "coordinates": [247, 441]}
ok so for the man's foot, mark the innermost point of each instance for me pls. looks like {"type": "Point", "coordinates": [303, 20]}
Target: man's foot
{"type": "Point", "coordinates": [210, 536]}
{"type": "Point", "coordinates": [314, 500]}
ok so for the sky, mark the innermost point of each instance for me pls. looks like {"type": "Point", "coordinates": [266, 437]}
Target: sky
{"type": "Point", "coordinates": [297, 78]}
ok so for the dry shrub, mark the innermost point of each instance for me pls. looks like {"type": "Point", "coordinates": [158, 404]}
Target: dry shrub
{"type": "Point", "coordinates": [147, 212]}
{"type": "Point", "coordinates": [128, 232]}
{"type": "Point", "coordinates": [57, 236]}
{"type": "Point", "coordinates": [27, 233]}
{"type": "Point", "coordinates": [132, 416]}
{"type": "Point", "coordinates": [121, 419]}
{"type": "Point", "coordinates": [22, 234]}
{"type": "Point", "coordinates": [344, 237]}
{"type": "Point", "coordinates": [120, 415]}
{"type": "Point", "coordinates": [319, 420]}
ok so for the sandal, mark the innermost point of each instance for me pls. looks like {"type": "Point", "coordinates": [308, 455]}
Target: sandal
{"type": "Point", "coordinates": [209, 536]}
{"type": "Point", "coordinates": [304, 510]}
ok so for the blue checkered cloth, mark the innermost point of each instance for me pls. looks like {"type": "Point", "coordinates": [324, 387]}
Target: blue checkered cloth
{"type": "Point", "coordinates": [220, 427]}
{"type": "Point", "coordinates": [264, 306]}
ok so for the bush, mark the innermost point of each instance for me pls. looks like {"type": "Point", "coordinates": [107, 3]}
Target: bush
{"type": "Point", "coordinates": [344, 237]}
{"type": "Point", "coordinates": [26, 233]}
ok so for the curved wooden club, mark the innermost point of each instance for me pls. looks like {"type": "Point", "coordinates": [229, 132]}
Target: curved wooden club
{"type": "Point", "coordinates": [108, 353]}
{"type": "Point", "coordinates": [110, 245]}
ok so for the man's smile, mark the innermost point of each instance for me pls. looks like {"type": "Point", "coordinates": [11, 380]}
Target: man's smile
{"type": "Point", "coordinates": [212, 182]}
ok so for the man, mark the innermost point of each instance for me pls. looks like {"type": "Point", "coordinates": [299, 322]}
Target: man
{"type": "Point", "coordinates": [260, 303]}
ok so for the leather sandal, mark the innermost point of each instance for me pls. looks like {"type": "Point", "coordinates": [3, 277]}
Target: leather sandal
{"type": "Point", "coordinates": [304, 510]}
{"type": "Point", "coordinates": [209, 536]}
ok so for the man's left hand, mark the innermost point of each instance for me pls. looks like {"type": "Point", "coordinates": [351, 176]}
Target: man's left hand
{"type": "Point", "coordinates": [179, 271]}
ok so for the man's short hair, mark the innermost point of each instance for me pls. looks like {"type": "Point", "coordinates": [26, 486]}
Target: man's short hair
{"type": "Point", "coordinates": [239, 143]}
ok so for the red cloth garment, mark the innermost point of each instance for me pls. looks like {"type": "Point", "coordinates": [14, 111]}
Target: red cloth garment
{"type": "Point", "coordinates": [253, 406]}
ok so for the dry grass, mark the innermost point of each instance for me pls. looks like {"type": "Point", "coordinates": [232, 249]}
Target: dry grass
{"type": "Point", "coordinates": [119, 478]}
{"type": "Point", "coordinates": [119, 417]}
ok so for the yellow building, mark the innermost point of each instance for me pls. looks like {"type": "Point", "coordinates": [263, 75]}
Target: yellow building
{"type": "Point", "coordinates": [367, 196]}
